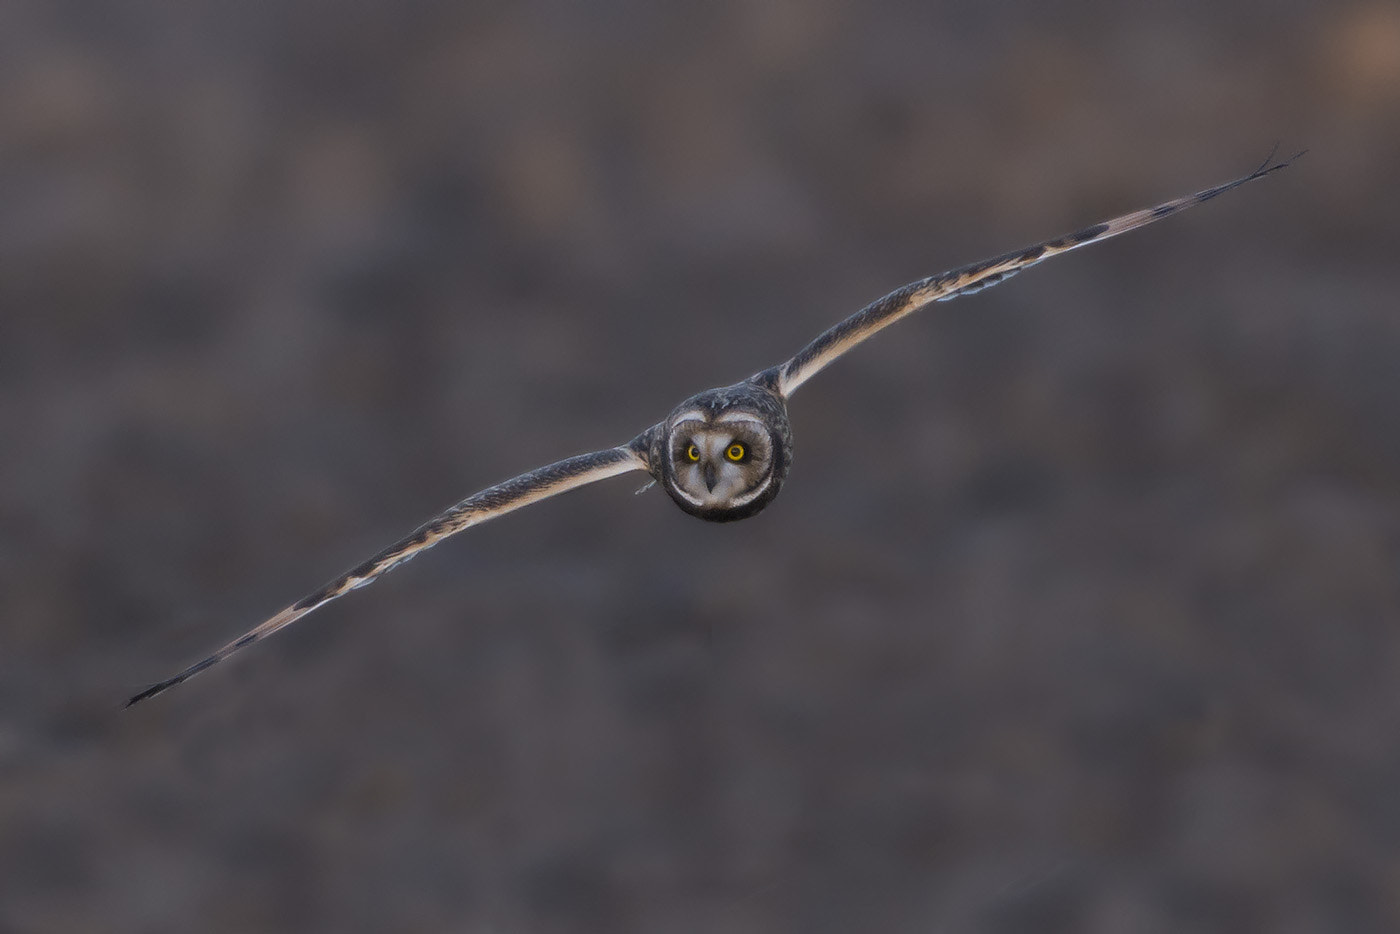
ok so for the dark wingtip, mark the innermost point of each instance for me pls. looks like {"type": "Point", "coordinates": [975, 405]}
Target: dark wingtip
{"type": "Point", "coordinates": [151, 691]}
{"type": "Point", "coordinates": [1268, 165]}
{"type": "Point", "coordinates": [185, 675]}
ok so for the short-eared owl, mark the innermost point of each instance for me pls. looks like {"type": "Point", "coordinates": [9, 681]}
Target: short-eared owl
{"type": "Point", "coordinates": [722, 454]}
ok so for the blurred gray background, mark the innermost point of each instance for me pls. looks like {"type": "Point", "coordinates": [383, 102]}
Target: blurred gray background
{"type": "Point", "coordinates": [1078, 613]}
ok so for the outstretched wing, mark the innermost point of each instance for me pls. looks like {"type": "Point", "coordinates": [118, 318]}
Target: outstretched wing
{"type": "Point", "coordinates": [840, 338]}
{"type": "Point", "coordinates": [474, 510]}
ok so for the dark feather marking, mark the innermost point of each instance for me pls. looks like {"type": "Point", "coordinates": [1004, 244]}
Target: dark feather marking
{"type": "Point", "coordinates": [1088, 233]}
{"type": "Point", "coordinates": [307, 602]}
{"type": "Point", "coordinates": [365, 567]}
{"type": "Point", "coordinates": [768, 379]}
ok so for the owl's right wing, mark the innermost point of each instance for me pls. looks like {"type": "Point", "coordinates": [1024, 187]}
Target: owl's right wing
{"type": "Point", "coordinates": [488, 504]}
{"type": "Point", "coordinates": [878, 315]}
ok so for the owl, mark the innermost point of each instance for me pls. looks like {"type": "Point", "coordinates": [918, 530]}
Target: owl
{"type": "Point", "coordinates": [723, 454]}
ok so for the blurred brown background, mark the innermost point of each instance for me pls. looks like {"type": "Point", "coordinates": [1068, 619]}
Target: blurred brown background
{"type": "Point", "coordinates": [1078, 613]}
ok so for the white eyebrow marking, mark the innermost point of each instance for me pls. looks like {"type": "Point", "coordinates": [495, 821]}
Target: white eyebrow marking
{"type": "Point", "coordinates": [741, 417]}
{"type": "Point", "coordinates": [691, 416]}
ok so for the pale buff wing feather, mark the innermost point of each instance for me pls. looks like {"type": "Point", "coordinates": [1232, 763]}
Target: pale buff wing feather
{"type": "Point", "coordinates": [474, 510]}
{"type": "Point", "coordinates": [965, 280]}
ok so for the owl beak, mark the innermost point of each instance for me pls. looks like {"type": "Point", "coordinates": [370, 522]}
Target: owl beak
{"type": "Point", "coordinates": [710, 477]}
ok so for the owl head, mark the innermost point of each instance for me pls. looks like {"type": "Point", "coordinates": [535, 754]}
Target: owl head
{"type": "Point", "coordinates": [725, 453]}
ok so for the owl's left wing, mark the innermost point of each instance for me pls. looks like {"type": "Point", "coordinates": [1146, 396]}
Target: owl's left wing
{"type": "Point", "coordinates": [488, 504]}
{"type": "Point", "coordinates": [880, 314]}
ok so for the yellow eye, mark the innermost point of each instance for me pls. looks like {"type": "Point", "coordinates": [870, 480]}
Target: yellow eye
{"type": "Point", "coordinates": [692, 453]}
{"type": "Point", "coordinates": [735, 452]}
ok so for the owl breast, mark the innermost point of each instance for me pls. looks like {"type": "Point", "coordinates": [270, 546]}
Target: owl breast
{"type": "Point", "coordinates": [723, 454]}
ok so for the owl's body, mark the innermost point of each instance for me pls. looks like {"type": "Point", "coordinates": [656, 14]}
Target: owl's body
{"type": "Point", "coordinates": [723, 454]}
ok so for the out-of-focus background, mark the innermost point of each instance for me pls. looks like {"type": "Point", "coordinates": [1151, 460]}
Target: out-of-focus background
{"type": "Point", "coordinates": [1079, 612]}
